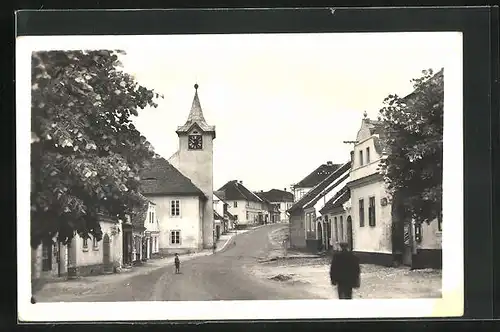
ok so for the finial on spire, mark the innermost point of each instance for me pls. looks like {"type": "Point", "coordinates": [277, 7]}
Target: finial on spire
{"type": "Point", "coordinates": [196, 86]}
{"type": "Point", "coordinates": [365, 114]}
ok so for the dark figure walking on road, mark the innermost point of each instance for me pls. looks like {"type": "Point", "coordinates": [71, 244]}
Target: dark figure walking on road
{"type": "Point", "coordinates": [177, 263]}
{"type": "Point", "coordinates": [214, 247]}
{"type": "Point", "coordinates": [345, 272]}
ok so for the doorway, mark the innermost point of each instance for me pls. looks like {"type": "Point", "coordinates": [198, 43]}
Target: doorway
{"type": "Point", "coordinates": [350, 240]}
{"type": "Point", "coordinates": [320, 237]}
{"type": "Point", "coordinates": [106, 250]}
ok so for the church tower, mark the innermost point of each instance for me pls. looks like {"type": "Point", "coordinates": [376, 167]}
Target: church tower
{"type": "Point", "coordinates": [194, 159]}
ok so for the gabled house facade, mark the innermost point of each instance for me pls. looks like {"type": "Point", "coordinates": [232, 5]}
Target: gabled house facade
{"type": "Point", "coordinates": [306, 227]}
{"type": "Point", "coordinates": [178, 205]}
{"type": "Point", "coordinates": [247, 208]}
{"type": "Point", "coordinates": [371, 210]}
{"type": "Point", "coordinates": [313, 179]}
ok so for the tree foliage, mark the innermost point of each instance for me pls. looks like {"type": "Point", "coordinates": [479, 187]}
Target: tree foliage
{"type": "Point", "coordinates": [85, 151]}
{"type": "Point", "coordinates": [413, 130]}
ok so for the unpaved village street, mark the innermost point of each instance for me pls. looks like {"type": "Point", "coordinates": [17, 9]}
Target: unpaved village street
{"type": "Point", "coordinates": [210, 277]}
{"type": "Point", "coordinates": [245, 269]}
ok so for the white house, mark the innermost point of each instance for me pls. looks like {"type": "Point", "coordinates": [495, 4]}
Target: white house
{"type": "Point", "coordinates": [281, 200]}
{"type": "Point", "coordinates": [152, 232]}
{"type": "Point", "coordinates": [247, 208]}
{"type": "Point", "coordinates": [81, 256]}
{"type": "Point", "coordinates": [182, 187]}
{"type": "Point", "coordinates": [371, 211]}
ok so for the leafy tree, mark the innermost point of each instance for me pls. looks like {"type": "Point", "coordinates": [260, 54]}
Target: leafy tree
{"type": "Point", "coordinates": [413, 134]}
{"type": "Point", "coordinates": [85, 152]}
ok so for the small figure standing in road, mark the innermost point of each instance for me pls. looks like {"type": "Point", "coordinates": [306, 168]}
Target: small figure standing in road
{"type": "Point", "coordinates": [177, 263]}
{"type": "Point", "coordinates": [214, 246]}
{"type": "Point", "coordinates": [345, 272]}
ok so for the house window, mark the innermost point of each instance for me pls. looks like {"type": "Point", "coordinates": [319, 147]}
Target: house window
{"type": "Point", "coordinates": [235, 204]}
{"type": "Point", "coordinates": [335, 225]}
{"type": "Point", "coordinates": [85, 243]}
{"type": "Point", "coordinates": [95, 243]}
{"type": "Point", "coordinates": [341, 221]}
{"type": "Point", "coordinates": [47, 256]}
{"type": "Point", "coordinates": [367, 155]}
{"type": "Point", "coordinates": [418, 232]}
{"type": "Point", "coordinates": [440, 223]}
{"type": "Point", "coordinates": [361, 158]}
{"type": "Point", "coordinates": [175, 208]}
{"type": "Point", "coordinates": [361, 213]}
{"type": "Point", "coordinates": [248, 216]}
{"type": "Point", "coordinates": [175, 237]}
{"type": "Point", "coordinates": [371, 212]}
{"type": "Point", "coordinates": [151, 216]}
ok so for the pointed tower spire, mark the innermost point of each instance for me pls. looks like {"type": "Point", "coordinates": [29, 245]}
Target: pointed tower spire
{"type": "Point", "coordinates": [196, 116]}
{"type": "Point", "coordinates": [196, 113]}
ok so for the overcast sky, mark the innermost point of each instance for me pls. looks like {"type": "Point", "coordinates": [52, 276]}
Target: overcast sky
{"type": "Point", "coordinates": [281, 104]}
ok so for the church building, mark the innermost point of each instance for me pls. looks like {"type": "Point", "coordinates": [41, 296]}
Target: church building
{"type": "Point", "coordinates": [182, 187]}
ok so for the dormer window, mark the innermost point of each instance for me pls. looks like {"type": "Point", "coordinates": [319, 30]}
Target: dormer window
{"type": "Point", "coordinates": [368, 155]}
{"type": "Point", "coordinates": [361, 158]}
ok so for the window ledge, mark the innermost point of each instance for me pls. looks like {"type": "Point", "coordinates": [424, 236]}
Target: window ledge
{"type": "Point", "coordinates": [85, 249]}
{"type": "Point", "coordinates": [95, 248]}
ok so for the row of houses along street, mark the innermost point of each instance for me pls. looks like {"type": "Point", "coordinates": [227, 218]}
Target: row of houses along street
{"type": "Point", "coordinates": [184, 213]}
{"type": "Point", "coordinates": [349, 202]}
{"type": "Point", "coordinates": [340, 201]}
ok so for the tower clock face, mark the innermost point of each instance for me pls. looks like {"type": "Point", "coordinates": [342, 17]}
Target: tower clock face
{"type": "Point", "coordinates": [195, 142]}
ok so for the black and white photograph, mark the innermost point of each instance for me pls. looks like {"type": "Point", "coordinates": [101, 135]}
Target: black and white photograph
{"type": "Point", "coordinates": [239, 176]}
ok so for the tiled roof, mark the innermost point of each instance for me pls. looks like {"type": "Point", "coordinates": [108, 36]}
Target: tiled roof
{"type": "Point", "coordinates": [337, 201]}
{"type": "Point", "coordinates": [220, 195]}
{"type": "Point", "coordinates": [196, 117]}
{"type": "Point", "coordinates": [318, 175]}
{"type": "Point", "coordinates": [161, 178]}
{"type": "Point", "coordinates": [312, 196]}
{"type": "Point", "coordinates": [276, 195]}
{"type": "Point", "coordinates": [233, 190]}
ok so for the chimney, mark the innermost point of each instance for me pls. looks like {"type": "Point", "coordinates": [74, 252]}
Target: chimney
{"type": "Point", "coordinates": [329, 163]}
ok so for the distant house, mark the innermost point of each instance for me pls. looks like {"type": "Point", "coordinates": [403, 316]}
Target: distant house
{"type": "Point", "coordinates": [248, 208]}
{"type": "Point", "coordinates": [152, 232]}
{"type": "Point", "coordinates": [306, 226]}
{"type": "Point", "coordinates": [272, 211]}
{"type": "Point", "coordinates": [336, 218]}
{"type": "Point", "coordinates": [372, 219]}
{"type": "Point", "coordinates": [178, 205]}
{"type": "Point", "coordinates": [81, 256]}
{"type": "Point", "coordinates": [221, 207]}
{"type": "Point", "coordinates": [313, 179]}
{"type": "Point", "coordinates": [281, 200]}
